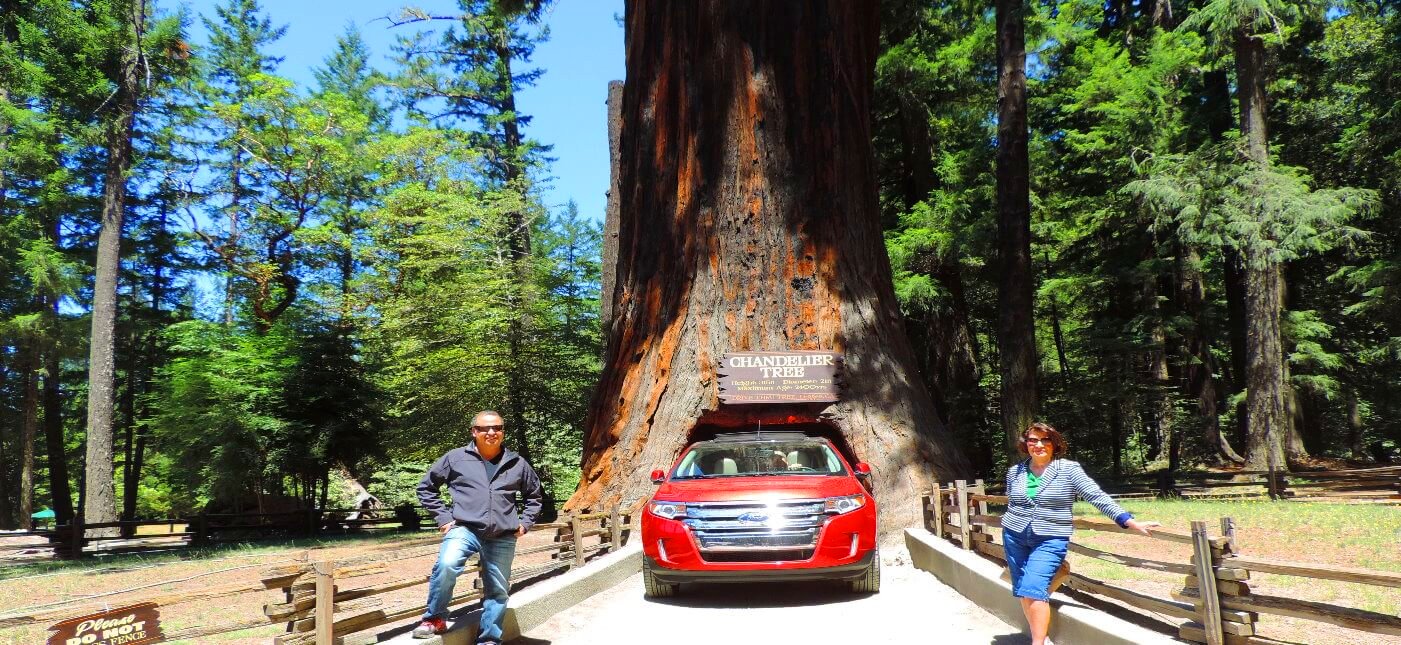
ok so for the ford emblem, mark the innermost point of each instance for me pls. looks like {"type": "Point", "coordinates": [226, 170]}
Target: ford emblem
{"type": "Point", "coordinates": [755, 518]}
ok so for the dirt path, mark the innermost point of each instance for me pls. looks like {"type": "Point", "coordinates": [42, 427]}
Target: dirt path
{"type": "Point", "coordinates": [912, 607]}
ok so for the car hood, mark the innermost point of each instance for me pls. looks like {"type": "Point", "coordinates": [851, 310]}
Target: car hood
{"type": "Point", "coordinates": [762, 488]}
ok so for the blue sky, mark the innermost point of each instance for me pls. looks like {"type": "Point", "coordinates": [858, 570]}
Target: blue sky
{"type": "Point", "coordinates": [584, 52]}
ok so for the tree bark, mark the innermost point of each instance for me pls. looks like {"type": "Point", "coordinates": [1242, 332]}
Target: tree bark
{"type": "Point", "coordinates": [608, 267]}
{"type": "Point", "coordinates": [100, 504]}
{"type": "Point", "coordinates": [1264, 351]}
{"type": "Point", "coordinates": [29, 428]}
{"type": "Point", "coordinates": [1016, 332]}
{"type": "Point", "coordinates": [1198, 365]}
{"type": "Point", "coordinates": [53, 438]}
{"type": "Point", "coordinates": [749, 221]}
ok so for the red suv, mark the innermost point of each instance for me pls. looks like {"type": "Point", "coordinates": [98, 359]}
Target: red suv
{"type": "Point", "coordinates": [760, 507]}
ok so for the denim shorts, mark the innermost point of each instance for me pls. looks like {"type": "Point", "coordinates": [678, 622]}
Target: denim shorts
{"type": "Point", "coordinates": [1032, 560]}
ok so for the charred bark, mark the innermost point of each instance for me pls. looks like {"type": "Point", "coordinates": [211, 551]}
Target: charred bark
{"type": "Point", "coordinates": [749, 221]}
{"type": "Point", "coordinates": [608, 267]}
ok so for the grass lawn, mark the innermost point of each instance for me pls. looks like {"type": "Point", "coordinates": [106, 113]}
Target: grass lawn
{"type": "Point", "coordinates": [1363, 536]}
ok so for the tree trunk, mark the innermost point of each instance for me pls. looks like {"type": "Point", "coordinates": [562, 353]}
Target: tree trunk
{"type": "Point", "coordinates": [609, 262]}
{"type": "Point", "coordinates": [5, 483]}
{"type": "Point", "coordinates": [29, 428]}
{"type": "Point", "coordinates": [1016, 333]}
{"type": "Point", "coordinates": [1198, 365]}
{"type": "Point", "coordinates": [53, 437]}
{"type": "Point", "coordinates": [1356, 446]}
{"type": "Point", "coordinates": [1264, 352]}
{"type": "Point", "coordinates": [100, 497]}
{"type": "Point", "coordinates": [749, 221]}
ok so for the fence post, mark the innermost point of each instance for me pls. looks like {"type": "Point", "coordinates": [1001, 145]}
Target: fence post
{"type": "Point", "coordinates": [1206, 584]}
{"type": "Point", "coordinates": [615, 529]}
{"type": "Point", "coordinates": [577, 528]}
{"type": "Point", "coordinates": [963, 533]}
{"type": "Point", "coordinates": [1228, 530]}
{"type": "Point", "coordinates": [938, 510]}
{"type": "Point", "coordinates": [200, 528]}
{"type": "Point", "coordinates": [76, 537]}
{"type": "Point", "coordinates": [325, 601]}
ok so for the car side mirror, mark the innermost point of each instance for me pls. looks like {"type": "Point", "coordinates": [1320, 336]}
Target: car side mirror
{"type": "Point", "coordinates": [658, 476]}
{"type": "Point", "coordinates": [863, 470]}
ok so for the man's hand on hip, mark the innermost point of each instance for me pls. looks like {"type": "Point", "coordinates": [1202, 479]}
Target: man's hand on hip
{"type": "Point", "coordinates": [446, 527]}
{"type": "Point", "coordinates": [520, 530]}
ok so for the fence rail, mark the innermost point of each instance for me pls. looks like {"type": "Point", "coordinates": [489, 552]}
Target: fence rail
{"type": "Point", "coordinates": [1375, 485]}
{"type": "Point", "coordinates": [314, 609]}
{"type": "Point", "coordinates": [1215, 598]}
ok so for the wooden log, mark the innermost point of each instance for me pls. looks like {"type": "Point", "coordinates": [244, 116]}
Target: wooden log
{"type": "Point", "coordinates": [284, 611]}
{"type": "Point", "coordinates": [1131, 561]}
{"type": "Point", "coordinates": [208, 630]}
{"type": "Point", "coordinates": [1359, 619]}
{"type": "Point", "coordinates": [1129, 597]}
{"type": "Point", "coordinates": [989, 499]}
{"type": "Point", "coordinates": [1193, 632]}
{"type": "Point", "coordinates": [986, 520]}
{"type": "Point", "coordinates": [1210, 616]}
{"type": "Point", "coordinates": [1324, 572]}
{"type": "Point", "coordinates": [1223, 587]}
{"type": "Point", "coordinates": [1157, 534]}
{"type": "Point", "coordinates": [1228, 531]}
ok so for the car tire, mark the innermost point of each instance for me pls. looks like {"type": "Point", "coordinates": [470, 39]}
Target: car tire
{"type": "Point", "coordinates": [653, 587]}
{"type": "Point", "coordinates": [869, 582]}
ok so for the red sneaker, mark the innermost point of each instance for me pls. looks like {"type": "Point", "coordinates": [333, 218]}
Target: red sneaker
{"type": "Point", "coordinates": [430, 627]}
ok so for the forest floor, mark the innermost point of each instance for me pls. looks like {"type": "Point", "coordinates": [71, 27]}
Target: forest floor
{"type": "Point", "coordinates": [1345, 535]}
{"type": "Point", "coordinates": [126, 579]}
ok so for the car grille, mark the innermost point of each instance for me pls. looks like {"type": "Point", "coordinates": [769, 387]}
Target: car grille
{"type": "Point", "coordinates": [786, 529]}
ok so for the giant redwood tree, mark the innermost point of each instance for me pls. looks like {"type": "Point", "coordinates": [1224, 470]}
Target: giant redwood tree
{"type": "Point", "coordinates": [748, 222]}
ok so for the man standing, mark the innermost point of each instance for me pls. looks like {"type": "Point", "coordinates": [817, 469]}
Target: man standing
{"type": "Point", "coordinates": [483, 479]}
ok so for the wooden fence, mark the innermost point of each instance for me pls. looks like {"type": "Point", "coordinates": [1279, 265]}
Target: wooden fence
{"type": "Point", "coordinates": [79, 539]}
{"type": "Point", "coordinates": [1215, 600]}
{"type": "Point", "coordinates": [1381, 484]}
{"type": "Point", "coordinates": [315, 608]}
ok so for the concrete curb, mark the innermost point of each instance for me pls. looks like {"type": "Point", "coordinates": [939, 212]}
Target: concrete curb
{"type": "Point", "coordinates": [978, 580]}
{"type": "Point", "coordinates": [532, 606]}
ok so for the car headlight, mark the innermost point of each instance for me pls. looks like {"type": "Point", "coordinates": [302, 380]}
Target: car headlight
{"type": "Point", "coordinates": [668, 510]}
{"type": "Point", "coordinates": [842, 505]}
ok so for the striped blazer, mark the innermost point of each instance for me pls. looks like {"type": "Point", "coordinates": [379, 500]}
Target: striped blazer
{"type": "Point", "coordinates": [1048, 514]}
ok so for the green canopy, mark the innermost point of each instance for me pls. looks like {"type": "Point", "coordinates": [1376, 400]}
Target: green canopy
{"type": "Point", "coordinates": [46, 514]}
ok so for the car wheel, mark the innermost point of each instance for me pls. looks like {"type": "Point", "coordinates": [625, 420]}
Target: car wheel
{"type": "Point", "coordinates": [653, 587]}
{"type": "Point", "coordinates": [869, 582]}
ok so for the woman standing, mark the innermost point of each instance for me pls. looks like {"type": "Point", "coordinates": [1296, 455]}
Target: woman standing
{"type": "Point", "coordinates": [1041, 491]}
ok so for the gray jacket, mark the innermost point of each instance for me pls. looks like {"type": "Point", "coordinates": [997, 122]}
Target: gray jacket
{"type": "Point", "coordinates": [486, 507]}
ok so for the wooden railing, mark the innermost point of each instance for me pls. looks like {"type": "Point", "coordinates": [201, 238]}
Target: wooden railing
{"type": "Point", "coordinates": [1380, 484]}
{"type": "Point", "coordinates": [78, 539]}
{"type": "Point", "coordinates": [1215, 598]}
{"type": "Point", "coordinates": [315, 609]}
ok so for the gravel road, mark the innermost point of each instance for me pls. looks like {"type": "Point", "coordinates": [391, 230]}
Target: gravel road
{"type": "Point", "coordinates": [912, 607]}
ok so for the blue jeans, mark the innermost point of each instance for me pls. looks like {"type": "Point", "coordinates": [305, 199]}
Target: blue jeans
{"type": "Point", "coordinates": [1032, 560]}
{"type": "Point", "coordinates": [496, 555]}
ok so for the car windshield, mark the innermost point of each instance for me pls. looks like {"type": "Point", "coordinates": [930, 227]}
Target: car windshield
{"type": "Point", "coordinates": [759, 457]}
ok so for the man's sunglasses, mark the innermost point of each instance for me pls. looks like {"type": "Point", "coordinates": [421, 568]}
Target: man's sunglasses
{"type": "Point", "coordinates": [489, 428]}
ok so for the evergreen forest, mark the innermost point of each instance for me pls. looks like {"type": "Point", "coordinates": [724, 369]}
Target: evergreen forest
{"type": "Point", "coordinates": [222, 290]}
